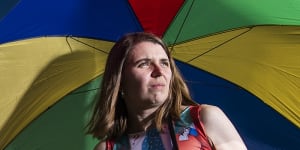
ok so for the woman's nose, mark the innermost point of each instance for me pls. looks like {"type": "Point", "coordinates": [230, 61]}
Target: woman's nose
{"type": "Point", "coordinates": [157, 70]}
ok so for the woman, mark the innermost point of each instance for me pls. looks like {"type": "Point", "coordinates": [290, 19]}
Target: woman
{"type": "Point", "coordinates": [145, 104]}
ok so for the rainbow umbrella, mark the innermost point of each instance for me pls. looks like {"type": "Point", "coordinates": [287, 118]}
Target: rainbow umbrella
{"type": "Point", "coordinates": [240, 55]}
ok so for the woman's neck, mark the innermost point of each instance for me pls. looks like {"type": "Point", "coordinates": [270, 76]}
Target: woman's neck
{"type": "Point", "coordinates": [140, 120]}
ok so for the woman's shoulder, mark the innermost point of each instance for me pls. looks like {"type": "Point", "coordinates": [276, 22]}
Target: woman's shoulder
{"type": "Point", "coordinates": [219, 128]}
{"type": "Point", "coordinates": [101, 146]}
{"type": "Point", "coordinates": [207, 113]}
{"type": "Point", "coordinates": [211, 112]}
{"type": "Point", "coordinates": [204, 108]}
{"type": "Point", "coordinates": [207, 107]}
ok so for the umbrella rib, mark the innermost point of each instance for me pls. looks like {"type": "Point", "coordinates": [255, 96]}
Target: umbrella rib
{"type": "Point", "coordinates": [181, 27]}
{"type": "Point", "coordinates": [79, 92]}
{"type": "Point", "coordinates": [250, 28]}
{"type": "Point", "coordinates": [70, 47]}
{"type": "Point", "coordinates": [83, 43]}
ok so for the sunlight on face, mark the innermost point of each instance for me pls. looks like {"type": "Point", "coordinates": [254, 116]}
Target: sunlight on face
{"type": "Point", "coordinates": [147, 75]}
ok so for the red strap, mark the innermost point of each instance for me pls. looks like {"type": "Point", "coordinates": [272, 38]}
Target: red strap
{"type": "Point", "coordinates": [195, 114]}
{"type": "Point", "coordinates": [109, 145]}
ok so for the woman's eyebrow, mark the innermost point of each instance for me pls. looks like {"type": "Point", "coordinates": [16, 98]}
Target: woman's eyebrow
{"type": "Point", "coordinates": [164, 59]}
{"type": "Point", "coordinates": [142, 59]}
{"type": "Point", "coordinates": [148, 59]}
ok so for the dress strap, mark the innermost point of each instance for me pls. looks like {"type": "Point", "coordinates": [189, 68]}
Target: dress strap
{"type": "Point", "coordinates": [195, 114]}
{"type": "Point", "coordinates": [109, 145]}
{"type": "Point", "coordinates": [172, 133]}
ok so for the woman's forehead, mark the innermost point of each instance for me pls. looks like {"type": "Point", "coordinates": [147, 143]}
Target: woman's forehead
{"type": "Point", "coordinates": [149, 49]}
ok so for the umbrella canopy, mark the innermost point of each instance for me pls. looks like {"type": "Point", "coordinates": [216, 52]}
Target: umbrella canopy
{"type": "Point", "coordinates": [240, 55]}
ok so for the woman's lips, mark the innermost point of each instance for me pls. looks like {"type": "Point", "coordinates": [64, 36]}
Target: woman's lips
{"type": "Point", "coordinates": [157, 86]}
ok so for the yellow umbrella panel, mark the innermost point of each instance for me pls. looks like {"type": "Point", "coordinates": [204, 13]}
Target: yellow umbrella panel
{"type": "Point", "coordinates": [36, 73]}
{"type": "Point", "coordinates": [264, 60]}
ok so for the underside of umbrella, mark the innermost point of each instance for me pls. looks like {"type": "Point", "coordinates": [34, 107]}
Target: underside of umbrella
{"type": "Point", "coordinates": [246, 51]}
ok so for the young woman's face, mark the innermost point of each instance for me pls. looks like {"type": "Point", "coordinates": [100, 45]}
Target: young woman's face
{"type": "Point", "coordinates": [147, 75]}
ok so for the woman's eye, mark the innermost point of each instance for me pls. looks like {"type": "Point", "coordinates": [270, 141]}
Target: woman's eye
{"type": "Point", "coordinates": [166, 64]}
{"type": "Point", "coordinates": [143, 64]}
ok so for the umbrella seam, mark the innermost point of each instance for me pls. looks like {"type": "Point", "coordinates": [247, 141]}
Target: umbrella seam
{"type": "Point", "coordinates": [181, 27]}
{"type": "Point", "coordinates": [83, 43]}
{"type": "Point", "coordinates": [249, 29]}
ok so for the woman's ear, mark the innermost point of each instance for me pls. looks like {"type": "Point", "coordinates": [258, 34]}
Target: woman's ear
{"type": "Point", "coordinates": [122, 93]}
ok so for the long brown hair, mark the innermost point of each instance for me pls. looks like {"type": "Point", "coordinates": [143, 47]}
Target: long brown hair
{"type": "Point", "coordinates": [109, 119]}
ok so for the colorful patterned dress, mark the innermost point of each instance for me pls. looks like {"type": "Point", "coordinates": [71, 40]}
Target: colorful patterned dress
{"type": "Point", "coordinates": [189, 133]}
